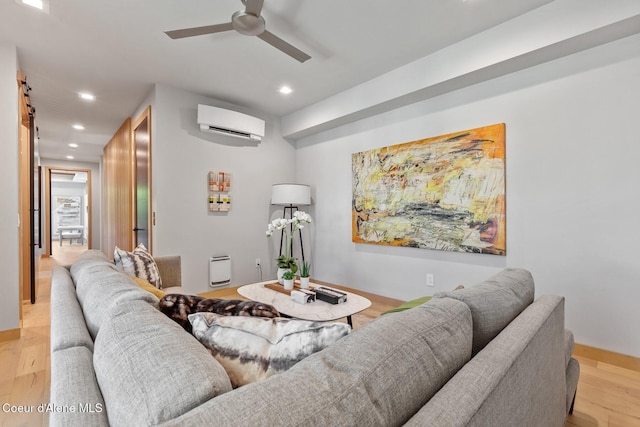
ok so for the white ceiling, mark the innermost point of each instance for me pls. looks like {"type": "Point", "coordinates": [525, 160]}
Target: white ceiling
{"type": "Point", "coordinates": [117, 50]}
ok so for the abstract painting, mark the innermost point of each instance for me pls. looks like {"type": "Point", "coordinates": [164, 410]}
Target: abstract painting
{"type": "Point", "coordinates": [446, 193]}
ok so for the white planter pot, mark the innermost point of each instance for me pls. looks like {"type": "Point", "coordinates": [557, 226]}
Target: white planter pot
{"type": "Point", "coordinates": [304, 282]}
{"type": "Point", "coordinates": [280, 273]}
{"type": "Point", "coordinates": [288, 284]}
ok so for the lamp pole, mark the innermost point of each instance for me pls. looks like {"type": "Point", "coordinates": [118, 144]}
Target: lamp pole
{"type": "Point", "coordinates": [284, 215]}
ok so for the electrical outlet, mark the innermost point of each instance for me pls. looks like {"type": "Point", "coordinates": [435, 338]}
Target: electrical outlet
{"type": "Point", "coordinates": [257, 262]}
{"type": "Point", "coordinates": [429, 279]}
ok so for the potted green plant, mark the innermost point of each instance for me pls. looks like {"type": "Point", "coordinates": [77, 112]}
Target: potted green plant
{"type": "Point", "coordinates": [286, 263]}
{"type": "Point", "coordinates": [304, 274]}
{"type": "Point", "coordinates": [287, 277]}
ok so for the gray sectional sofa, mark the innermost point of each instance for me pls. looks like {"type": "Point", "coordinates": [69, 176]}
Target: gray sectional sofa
{"type": "Point", "coordinates": [487, 355]}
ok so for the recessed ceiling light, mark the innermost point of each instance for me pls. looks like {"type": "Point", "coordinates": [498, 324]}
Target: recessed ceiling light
{"type": "Point", "coordinates": [70, 157]}
{"type": "Point", "coordinates": [78, 126]}
{"type": "Point", "coordinates": [285, 90]}
{"type": "Point", "coordinates": [42, 5]}
{"type": "Point", "coordinates": [73, 145]}
{"type": "Point", "coordinates": [87, 96]}
{"type": "Point", "coordinates": [35, 3]}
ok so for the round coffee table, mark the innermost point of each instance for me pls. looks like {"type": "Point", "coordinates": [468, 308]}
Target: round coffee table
{"type": "Point", "coordinates": [320, 311]}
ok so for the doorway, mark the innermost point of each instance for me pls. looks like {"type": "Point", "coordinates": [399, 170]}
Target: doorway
{"type": "Point", "coordinates": [67, 213]}
{"type": "Point", "coordinates": [143, 222]}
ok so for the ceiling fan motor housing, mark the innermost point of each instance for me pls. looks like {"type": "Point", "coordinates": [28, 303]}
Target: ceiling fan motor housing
{"type": "Point", "coordinates": [247, 23]}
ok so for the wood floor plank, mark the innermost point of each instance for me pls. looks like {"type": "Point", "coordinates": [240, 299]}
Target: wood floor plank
{"type": "Point", "coordinates": [620, 372]}
{"type": "Point", "coordinates": [32, 359]}
{"type": "Point", "coordinates": [28, 391]}
{"type": "Point", "coordinates": [587, 413]}
{"type": "Point", "coordinates": [622, 420]}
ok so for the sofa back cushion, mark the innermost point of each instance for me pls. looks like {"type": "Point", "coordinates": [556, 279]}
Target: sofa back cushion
{"type": "Point", "coordinates": [68, 328]}
{"type": "Point", "coordinates": [381, 374]}
{"type": "Point", "coordinates": [74, 385]}
{"type": "Point", "coordinates": [101, 286]}
{"type": "Point", "coordinates": [149, 369]}
{"type": "Point", "coordinates": [495, 302]}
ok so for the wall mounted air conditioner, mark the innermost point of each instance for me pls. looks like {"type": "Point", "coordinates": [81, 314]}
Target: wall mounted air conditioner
{"type": "Point", "coordinates": [230, 123]}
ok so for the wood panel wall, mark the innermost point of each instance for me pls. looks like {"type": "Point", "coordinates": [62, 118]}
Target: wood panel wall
{"type": "Point", "coordinates": [118, 190]}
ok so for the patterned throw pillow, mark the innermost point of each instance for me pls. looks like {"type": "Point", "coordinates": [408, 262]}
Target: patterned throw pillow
{"type": "Point", "coordinates": [253, 348]}
{"type": "Point", "coordinates": [178, 307]}
{"type": "Point", "coordinates": [138, 263]}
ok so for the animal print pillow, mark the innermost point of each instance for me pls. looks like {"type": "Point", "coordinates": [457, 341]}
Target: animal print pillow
{"type": "Point", "coordinates": [178, 307]}
{"type": "Point", "coordinates": [138, 263]}
{"type": "Point", "coordinates": [254, 348]}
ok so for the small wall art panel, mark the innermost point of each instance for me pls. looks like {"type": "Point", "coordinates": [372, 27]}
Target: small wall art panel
{"type": "Point", "coordinates": [446, 192]}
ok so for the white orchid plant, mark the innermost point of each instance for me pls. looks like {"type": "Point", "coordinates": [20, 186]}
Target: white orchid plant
{"type": "Point", "coordinates": [289, 227]}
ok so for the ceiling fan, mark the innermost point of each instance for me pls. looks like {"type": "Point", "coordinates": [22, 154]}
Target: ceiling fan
{"type": "Point", "coordinates": [247, 22]}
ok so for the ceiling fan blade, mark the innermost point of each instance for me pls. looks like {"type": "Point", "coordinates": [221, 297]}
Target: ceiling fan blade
{"type": "Point", "coordinates": [253, 7]}
{"type": "Point", "coordinates": [199, 31]}
{"type": "Point", "coordinates": [285, 47]}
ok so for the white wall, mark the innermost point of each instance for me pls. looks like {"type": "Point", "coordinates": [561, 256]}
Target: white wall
{"type": "Point", "coordinates": [572, 198]}
{"type": "Point", "coordinates": [182, 156]}
{"type": "Point", "coordinates": [9, 261]}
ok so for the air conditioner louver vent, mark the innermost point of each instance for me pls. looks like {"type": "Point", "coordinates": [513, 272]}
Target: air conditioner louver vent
{"type": "Point", "coordinates": [230, 123]}
{"type": "Point", "coordinates": [232, 132]}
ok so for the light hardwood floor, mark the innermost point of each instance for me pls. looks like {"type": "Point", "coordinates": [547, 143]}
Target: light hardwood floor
{"type": "Point", "coordinates": [608, 395]}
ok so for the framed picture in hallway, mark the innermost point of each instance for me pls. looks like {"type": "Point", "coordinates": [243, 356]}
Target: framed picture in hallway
{"type": "Point", "coordinates": [445, 192]}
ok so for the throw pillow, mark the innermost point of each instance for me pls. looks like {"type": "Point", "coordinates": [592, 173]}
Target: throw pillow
{"type": "Point", "coordinates": [414, 303]}
{"type": "Point", "coordinates": [138, 263]}
{"type": "Point", "coordinates": [236, 307]}
{"type": "Point", "coordinates": [159, 293]}
{"type": "Point", "coordinates": [254, 348]}
{"type": "Point", "coordinates": [178, 307]}
{"type": "Point", "coordinates": [407, 305]}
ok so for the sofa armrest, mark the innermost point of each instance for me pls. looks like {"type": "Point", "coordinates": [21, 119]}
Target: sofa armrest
{"type": "Point", "coordinates": [170, 270]}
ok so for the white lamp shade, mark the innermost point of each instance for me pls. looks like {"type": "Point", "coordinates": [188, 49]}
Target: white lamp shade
{"type": "Point", "coordinates": [290, 194]}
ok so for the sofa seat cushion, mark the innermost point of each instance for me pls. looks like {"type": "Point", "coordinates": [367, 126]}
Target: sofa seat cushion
{"type": "Point", "coordinates": [138, 263]}
{"type": "Point", "coordinates": [379, 375]}
{"type": "Point", "coordinates": [495, 302]}
{"type": "Point", "coordinates": [254, 348]}
{"type": "Point", "coordinates": [150, 370]}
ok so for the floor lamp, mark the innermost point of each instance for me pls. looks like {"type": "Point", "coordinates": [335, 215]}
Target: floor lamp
{"type": "Point", "coordinates": [290, 196]}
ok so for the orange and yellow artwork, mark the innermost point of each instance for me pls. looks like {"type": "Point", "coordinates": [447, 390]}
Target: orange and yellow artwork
{"type": "Point", "coordinates": [446, 193]}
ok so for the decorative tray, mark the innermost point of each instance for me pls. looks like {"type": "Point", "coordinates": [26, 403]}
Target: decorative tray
{"type": "Point", "coordinates": [275, 286]}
